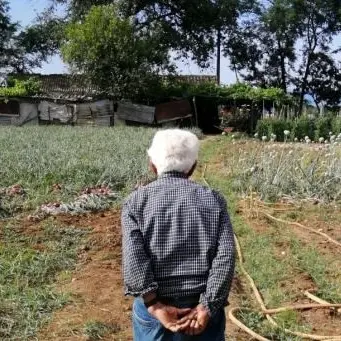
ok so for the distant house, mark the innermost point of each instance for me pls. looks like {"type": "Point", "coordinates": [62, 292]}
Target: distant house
{"type": "Point", "coordinates": [68, 99]}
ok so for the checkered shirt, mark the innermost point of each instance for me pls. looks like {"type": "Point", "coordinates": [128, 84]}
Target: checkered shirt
{"type": "Point", "coordinates": [178, 241]}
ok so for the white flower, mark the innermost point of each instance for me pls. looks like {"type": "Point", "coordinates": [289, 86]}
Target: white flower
{"type": "Point", "coordinates": [264, 138]}
{"type": "Point", "coordinates": [332, 138]}
{"type": "Point", "coordinates": [306, 138]}
{"type": "Point", "coordinates": [308, 141]}
{"type": "Point", "coordinates": [233, 136]}
{"type": "Point", "coordinates": [286, 132]}
{"type": "Point", "coordinates": [321, 139]}
{"type": "Point", "coordinates": [256, 135]}
{"type": "Point", "coordinates": [223, 133]}
{"type": "Point", "coordinates": [296, 139]}
{"type": "Point", "coordinates": [330, 133]}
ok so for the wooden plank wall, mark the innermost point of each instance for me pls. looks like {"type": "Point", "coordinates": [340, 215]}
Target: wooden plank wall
{"type": "Point", "coordinates": [136, 113]}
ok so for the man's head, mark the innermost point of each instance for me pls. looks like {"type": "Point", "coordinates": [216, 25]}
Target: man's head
{"type": "Point", "coordinates": [174, 150]}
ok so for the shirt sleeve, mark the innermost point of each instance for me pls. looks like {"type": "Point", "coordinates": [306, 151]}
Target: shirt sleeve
{"type": "Point", "coordinates": [137, 269]}
{"type": "Point", "coordinates": [222, 269]}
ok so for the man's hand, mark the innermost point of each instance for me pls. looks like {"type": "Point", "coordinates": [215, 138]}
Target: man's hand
{"type": "Point", "coordinates": [170, 317]}
{"type": "Point", "coordinates": [199, 324]}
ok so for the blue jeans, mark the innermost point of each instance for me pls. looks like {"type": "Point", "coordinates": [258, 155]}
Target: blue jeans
{"type": "Point", "coordinates": [148, 328]}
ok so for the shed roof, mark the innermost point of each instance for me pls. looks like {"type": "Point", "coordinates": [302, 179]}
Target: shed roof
{"type": "Point", "coordinates": [65, 87]}
{"type": "Point", "coordinates": [77, 88]}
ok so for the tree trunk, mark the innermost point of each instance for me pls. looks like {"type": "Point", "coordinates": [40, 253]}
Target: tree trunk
{"type": "Point", "coordinates": [304, 85]}
{"type": "Point", "coordinates": [283, 74]}
{"type": "Point", "coordinates": [282, 65]}
{"type": "Point", "coordinates": [218, 55]}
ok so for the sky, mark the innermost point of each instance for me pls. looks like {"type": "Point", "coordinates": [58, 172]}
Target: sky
{"type": "Point", "coordinates": [25, 12]}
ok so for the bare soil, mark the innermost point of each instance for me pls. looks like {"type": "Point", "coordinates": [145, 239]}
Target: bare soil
{"type": "Point", "coordinates": [96, 286]}
{"type": "Point", "coordinates": [327, 220]}
{"type": "Point", "coordinates": [97, 291]}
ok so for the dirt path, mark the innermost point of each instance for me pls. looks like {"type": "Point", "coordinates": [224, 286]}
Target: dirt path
{"type": "Point", "coordinates": [97, 294]}
{"type": "Point", "coordinates": [96, 285]}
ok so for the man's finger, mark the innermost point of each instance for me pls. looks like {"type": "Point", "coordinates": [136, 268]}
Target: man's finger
{"type": "Point", "coordinates": [173, 327]}
{"type": "Point", "coordinates": [199, 329]}
{"type": "Point", "coordinates": [182, 312]}
{"type": "Point", "coordinates": [192, 327]}
{"type": "Point", "coordinates": [183, 326]}
{"type": "Point", "coordinates": [191, 316]}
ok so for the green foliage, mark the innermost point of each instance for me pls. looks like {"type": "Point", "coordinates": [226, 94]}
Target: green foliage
{"type": "Point", "coordinates": [318, 269]}
{"type": "Point", "coordinates": [264, 127]}
{"type": "Point", "coordinates": [28, 272]}
{"type": "Point", "coordinates": [336, 125]}
{"type": "Point", "coordinates": [106, 48]}
{"type": "Point", "coordinates": [278, 126]}
{"type": "Point", "coordinates": [264, 49]}
{"type": "Point", "coordinates": [19, 88]}
{"type": "Point", "coordinates": [324, 82]}
{"type": "Point", "coordinates": [303, 127]}
{"type": "Point", "coordinates": [275, 126]}
{"type": "Point", "coordinates": [239, 92]}
{"type": "Point", "coordinates": [185, 27]}
{"type": "Point", "coordinates": [99, 156]}
{"type": "Point", "coordinates": [96, 330]}
{"type": "Point", "coordinates": [323, 126]}
{"type": "Point", "coordinates": [314, 128]}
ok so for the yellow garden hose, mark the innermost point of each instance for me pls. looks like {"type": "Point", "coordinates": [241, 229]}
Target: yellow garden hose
{"type": "Point", "coordinates": [320, 304]}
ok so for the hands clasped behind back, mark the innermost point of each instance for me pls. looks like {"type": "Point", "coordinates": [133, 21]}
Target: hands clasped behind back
{"type": "Point", "coordinates": [188, 321]}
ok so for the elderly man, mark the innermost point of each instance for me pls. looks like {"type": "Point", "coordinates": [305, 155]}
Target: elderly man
{"type": "Point", "coordinates": [178, 248]}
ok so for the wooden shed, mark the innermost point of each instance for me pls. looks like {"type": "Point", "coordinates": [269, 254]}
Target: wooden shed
{"type": "Point", "coordinates": [18, 111]}
{"type": "Point", "coordinates": [64, 99]}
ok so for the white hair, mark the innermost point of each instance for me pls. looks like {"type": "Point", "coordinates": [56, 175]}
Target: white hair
{"type": "Point", "coordinates": [174, 150]}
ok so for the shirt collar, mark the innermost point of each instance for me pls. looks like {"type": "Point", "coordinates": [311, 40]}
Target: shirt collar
{"type": "Point", "coordinates": [173, 174]}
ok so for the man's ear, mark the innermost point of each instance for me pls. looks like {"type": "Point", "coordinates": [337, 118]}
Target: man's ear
{"type": "Point", "coordinates": [190, 173]}
{"type": "Point", "coordinates": [152, 167]}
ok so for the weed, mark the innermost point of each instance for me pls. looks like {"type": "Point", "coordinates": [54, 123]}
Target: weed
{"type": "Point", "coordinates": [323, 270]}
{"type": "Point", "coordinates": [96, 330]}
{"type": "Point", "coordinates": [27, 294]}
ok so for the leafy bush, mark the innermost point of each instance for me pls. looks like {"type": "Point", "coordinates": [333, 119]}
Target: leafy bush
{"type": "Point", "coordinates": [323, 127]}
{"type": "Point", "coordinates": [268, 126]}
{"type": "Point", "coordinates": [172, 87]}
{"type": "Point", "coordinates": [264, 127]}
{"type": "Point", "coordinates": [303, 127]}
{"type": "Point", "coordinates": [19, 88]}
{"type": "Point", "coordinates": [336, 125]}
{"type": "Point", "coordinates": [278, 126]}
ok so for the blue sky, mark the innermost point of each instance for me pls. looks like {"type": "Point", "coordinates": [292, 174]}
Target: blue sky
{"type": "Point", "coordinates": [25, 11]}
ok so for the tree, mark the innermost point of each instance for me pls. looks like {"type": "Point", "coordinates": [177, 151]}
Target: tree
{"type": "Point", "coordinates": [262, 47]}
{"type": "Point", "coordinates": [193, 28]}
{"type": "Point", "coordinates": [8, 31]}
{"type": "Point", "coordinates": [40, 41]}
{"type": "Point", "coordinates": [106, 48]}
{"type": "Point", "coordinates": [318, 22]}
{"type": "Point", "coordinates": [324, 81]}
{"type": "Point", "coordinates": [264, 50]}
